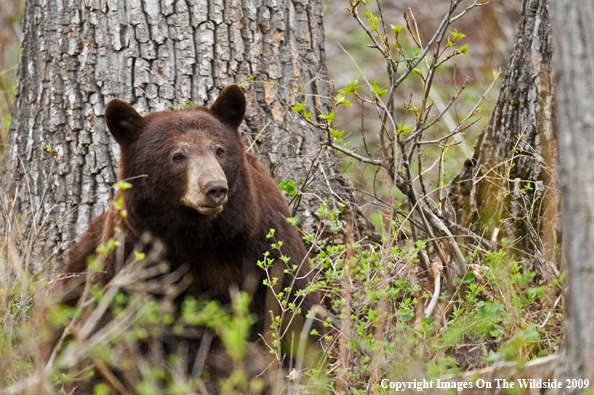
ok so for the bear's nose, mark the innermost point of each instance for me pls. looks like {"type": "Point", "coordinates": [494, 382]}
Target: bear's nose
{"type": "Point", "coordinates": [216, 191]}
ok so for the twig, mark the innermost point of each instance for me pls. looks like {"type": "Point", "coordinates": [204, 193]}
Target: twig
{"type": "Point", "coordinates": [147, 95]}
{"type": "Point", "coordinates": [258, 136]}
{"type": "Point", "coordinates": [436, 293]}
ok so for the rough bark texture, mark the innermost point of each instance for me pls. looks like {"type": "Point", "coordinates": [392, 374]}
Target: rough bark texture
{"type": "Point", "coordinates": [508, 188]}
{"type": "Point", "coordinates": [76, 56]}
{"type": "Point", "coordinates": [574, 29]}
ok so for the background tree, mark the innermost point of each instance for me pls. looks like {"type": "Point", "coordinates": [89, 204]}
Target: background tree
{"type": "Point", "coordinates": [574, 27]}
{"type": "Point", "coordinates": [508, 188]}
{"type": "Point", "coordinates": [154, 54]}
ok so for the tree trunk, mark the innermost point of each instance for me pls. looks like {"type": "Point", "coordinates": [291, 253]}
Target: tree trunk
{"type": "Point", "coordinates": [574, 29]}
{"type": "Point", "coordinates": [509, 187]}
{"type": "Point", "coordinates": [76, 56]}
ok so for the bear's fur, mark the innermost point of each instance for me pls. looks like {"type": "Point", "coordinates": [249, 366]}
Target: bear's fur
{"type": "Point", "coordinates": [197, 190]}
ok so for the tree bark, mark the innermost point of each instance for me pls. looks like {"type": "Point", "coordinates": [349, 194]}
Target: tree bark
{"type": "Point", "coordinates": [574, 29]}
{"type": "Point", "coordinates": [509, 186]}
{"type": "Point", "coordinates": [76, 56]}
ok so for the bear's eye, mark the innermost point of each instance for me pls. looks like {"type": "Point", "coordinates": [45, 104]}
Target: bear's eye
{"type": "Point", "coordinates": [178, 157]}
{"type": "Point", "coordinates": [220, 152]}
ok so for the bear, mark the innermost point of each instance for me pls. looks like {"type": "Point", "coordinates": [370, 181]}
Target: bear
{"type": "Point", "coordinates": [209, 202]}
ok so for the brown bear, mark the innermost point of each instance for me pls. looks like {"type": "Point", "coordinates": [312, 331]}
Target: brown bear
{"type": "Point", "coordinates": [212, 204]}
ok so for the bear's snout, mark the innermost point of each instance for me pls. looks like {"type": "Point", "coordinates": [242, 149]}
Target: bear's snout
{"type": "Point", "coordinates": [207, 189]}
{"type": "Point", "coordinates": [216, 191]}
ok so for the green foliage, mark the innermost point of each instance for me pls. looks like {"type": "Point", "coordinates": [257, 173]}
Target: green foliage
{"type": "Point", "coordinates": [368, 289]}
{"type": "Point", "coordinates": [373, 20]}
{"type": "Point", "coordinates": [351, 88]}
{"type": "Point", "coordinates": [181, 105]}
{"type": "Point", "coordinates": [289, 187]}
{"type": "Point", "coordinates": [298, 107]}
{"type": "Point", "coordinates": [328, 117]}
{"type": "Point", "coordinates": [379, 92]}
{"type": "Point", "coordinates": [340, 99]}
{"type": "Point", "coordinates": [122, 185]}
{"type": "Point", "coordinates": [232, 327]}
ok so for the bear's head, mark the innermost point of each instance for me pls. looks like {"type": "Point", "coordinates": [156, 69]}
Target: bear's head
{"type": "Point", "coordinates": [183, 159]}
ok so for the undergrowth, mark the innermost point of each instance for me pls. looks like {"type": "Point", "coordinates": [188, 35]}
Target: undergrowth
{"type": "Point", "coordinates": [375, 309]}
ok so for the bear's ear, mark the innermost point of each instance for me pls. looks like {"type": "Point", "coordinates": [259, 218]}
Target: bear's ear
{"type": "Point", "coordinates": [229, 107]}
{"type": "Point", "coordinates": [123, 122]}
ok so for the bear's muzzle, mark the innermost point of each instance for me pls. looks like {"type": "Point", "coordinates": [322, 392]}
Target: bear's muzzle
{"type": "Point", "coordinates": [207, 189]}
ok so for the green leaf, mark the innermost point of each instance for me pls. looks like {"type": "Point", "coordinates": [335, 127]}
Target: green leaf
{"type": "Point", "coordinates": [341, 100]}
{"type": "Point", "coordinates": [289, 187]}
{"type": "Point", "coordinates": [298, 107]}
{"type": "Point", "coordinates": [351, 88]}
{"type": "Point", "coordinates": [404, 129]}
{"type": "Point", "coordinates": [396, 28]}
{"type": "Point", "coordinates": [101, 389]}
{"type": "Point", "coordinates": [337, 134]}
{"type": "Point", "coordinates": [469, 277]}
{"type": "Point", "coordinates": [377, 90]}
{"type": "Point", "coordinates": [328, 117]}
{"type": "Point", "coordinates": [492, 357]}
{"type": "Point", "coordinates": [464, 49]}
{"type": "Point", "coordinates": [534, 292]}
{"type": "Point", "coordinates": [122, 185]}
{"type": "Point", "coordinates": [456, 35]}
{"type": "Point", "coordinates": [373, 20]}
{"type": "Point", "coordinates": [118, 204]}
{"type": "Point", "coordinates": [414, 109]}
